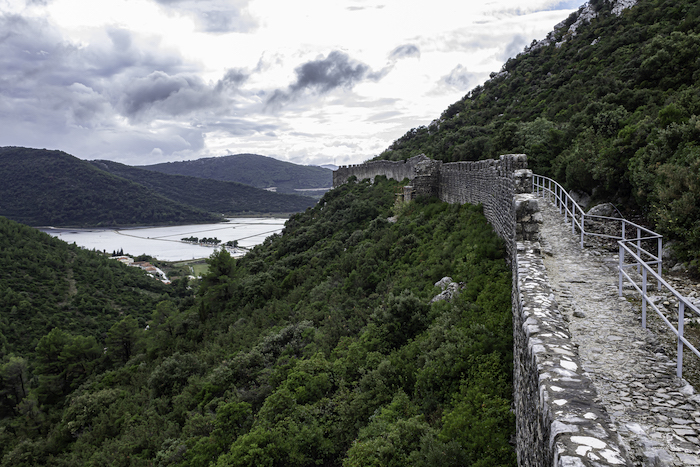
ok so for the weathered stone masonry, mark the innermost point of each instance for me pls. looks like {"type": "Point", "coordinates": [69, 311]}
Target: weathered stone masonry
{"type": "Point", "coordinates": [559, 422]}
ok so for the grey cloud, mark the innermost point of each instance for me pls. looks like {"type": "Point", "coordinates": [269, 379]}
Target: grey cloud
{"type": "Point", "coordinates": [87, 108]}
{"type": "Point", "coordinates": [215, 16]}
{"type": "Point", "coordinates": [121, 55]}
{"type": "Point", "coordinates": [514, 47]}
{"type": "Point", "coordinates": [404, 51]}
{"type": "Point", "coordinates": [218, 21]}
{"type": "Point", "coordinates": [163, 94]}
{"type": "Point", "coordinates": [84, 86]}
{"type": "Point", "coordinates": [384, 116]}
{"type": "Point", "coordinates": [233, 77]}
{"type": "Point", "coordinates": [337, 70]}
{"type": "Point", "coordinates": [121, 39]}
{"type": "Point", "coordinates": [233, 126]}
{"type": "Point", "coordinates": [55, 94]}
{"type": "Point", "coordinates": [139, 146]}
{"type": "Point", "coordinates": [460, 78]}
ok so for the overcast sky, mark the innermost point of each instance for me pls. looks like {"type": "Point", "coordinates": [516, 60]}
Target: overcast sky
{"type": "Point", "coordinates": [308, 81]}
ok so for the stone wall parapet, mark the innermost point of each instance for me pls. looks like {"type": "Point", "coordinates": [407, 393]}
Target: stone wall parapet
{"type": "Point", "coordinates": [558, 419]}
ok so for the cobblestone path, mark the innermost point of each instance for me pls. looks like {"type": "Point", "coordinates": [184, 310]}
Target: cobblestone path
{"type": "Point", "coordinates": [656, 414]}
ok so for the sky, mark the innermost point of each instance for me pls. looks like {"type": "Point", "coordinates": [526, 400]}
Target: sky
{"type": "Point", "coordinates": [305, 81]}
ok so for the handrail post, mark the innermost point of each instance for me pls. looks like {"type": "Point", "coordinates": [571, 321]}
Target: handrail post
{"type": "Point", "coordinates": [639, 248]}
{"type": "Point", "coordinates": [623, 229]}
{"type": "Point", "coordinates": [660, 253]}
{"type": "Point", "coordinates": [560, 198]}
{"type": "Point", "coordinates": [566, 209]}
{"type": "Point", "coordinates": [679, 362]}
{"type": "Point", "coordinates": [644, 298]}
{"type": "Point", "coordinates": [583, 227]}
{"type": "Point", "coordinates": [621, 261]}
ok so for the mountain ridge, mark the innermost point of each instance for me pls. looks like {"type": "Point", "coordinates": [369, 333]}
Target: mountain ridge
{"type": "Point", "coordinates": [229, 198]}
{"type": "Point", "coordinates": [45, 187]}
{"type": "Point", "coordinates": [53, 188]}
{"type": "Point", "coordinates": [252, 169]}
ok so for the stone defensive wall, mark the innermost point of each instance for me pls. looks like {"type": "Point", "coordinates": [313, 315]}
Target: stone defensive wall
{"type": "Point", "coordinates": [398, 170]}
{"type": "Point", "coordinates": [559, 421]}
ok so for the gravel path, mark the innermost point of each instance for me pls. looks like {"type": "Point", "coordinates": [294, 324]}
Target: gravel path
{"type": "Point", "coordinates": [656, 414]}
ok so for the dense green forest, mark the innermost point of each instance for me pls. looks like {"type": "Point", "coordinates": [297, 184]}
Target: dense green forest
{"type": "Point", "coordinates": [252, 169]}
{"type": "Point", "coordinates": [41, 187]}
{"type": "Point", "coordinates": [319, 347]}
{"type": "Point", "coordinates": [47, 284]}
{"type": "Point", "coordinates": [611, 109]}
{"type": "Point", "coordinates": [228, 198]}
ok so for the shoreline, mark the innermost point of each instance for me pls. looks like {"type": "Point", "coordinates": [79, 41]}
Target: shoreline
{"type": "Point", "coordinates": [93, 228]}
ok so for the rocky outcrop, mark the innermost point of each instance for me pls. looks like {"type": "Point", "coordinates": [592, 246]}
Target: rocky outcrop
{"type": "Point", "coordinates": [450, 289]}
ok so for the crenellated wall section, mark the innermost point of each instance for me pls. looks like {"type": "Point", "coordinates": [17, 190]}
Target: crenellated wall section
{"type": "Point", "coordinates": [559, 421]}
{"type": "Point", "coordinates": [398, 170]}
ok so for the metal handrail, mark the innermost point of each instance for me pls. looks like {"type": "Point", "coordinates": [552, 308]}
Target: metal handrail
{"type": "Point", "coordinates": [683, 302]}
{"type": "Point", "coordinates": [627, 246]}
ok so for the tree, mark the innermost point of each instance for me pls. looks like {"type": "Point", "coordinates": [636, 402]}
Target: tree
{"type": "Point", "coordinates": [218, 284]}
{"type": "Point", "coordinates": [122, 338]}
{"type": "Point", "coordinates": [63, 362]}
{"type": "Point", "coordinates": [49, 367]}
{"type": "Point", "coordinates": [14, 383]}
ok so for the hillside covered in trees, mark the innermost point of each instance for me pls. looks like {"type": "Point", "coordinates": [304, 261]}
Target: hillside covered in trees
{"type": "Point", "coordinates": [609, 106]}
{"type": "Point", "coordinates": [42, 188]}
{"type": "Point", "coordinates": [47, 283]}
{"type": "Point", "coordinates": [229, 198]}
{"type": "Point", "coordinates": [319, 347]}
{"type": "Point", "coordinates": [252, 169]}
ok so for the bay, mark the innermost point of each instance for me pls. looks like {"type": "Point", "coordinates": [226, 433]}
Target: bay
{"type": "Point", "coordinates": [164, 243]}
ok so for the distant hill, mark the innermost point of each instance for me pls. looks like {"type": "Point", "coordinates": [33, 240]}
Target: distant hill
{"type": "Point", "coordinates": [217, 196]}
{"type": "Point", "coordinates": [254, 170]}
{"type": "Point", "coordinates": [42, 187]}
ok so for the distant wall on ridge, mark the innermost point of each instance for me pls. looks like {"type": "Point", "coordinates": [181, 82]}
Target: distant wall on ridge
{"type": "Point", "coordinates": [398, 170]}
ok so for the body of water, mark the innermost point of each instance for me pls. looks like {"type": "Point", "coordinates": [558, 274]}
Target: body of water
{"type": "Point", "coordinates": [164, 243]}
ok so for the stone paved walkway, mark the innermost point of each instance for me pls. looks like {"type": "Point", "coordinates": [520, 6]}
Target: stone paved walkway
{"type": "Point", "coordinates": [656, 414]}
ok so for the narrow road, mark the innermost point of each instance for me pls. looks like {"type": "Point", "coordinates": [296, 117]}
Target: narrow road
{"type": "Point", "coordinates": [656, 414]}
